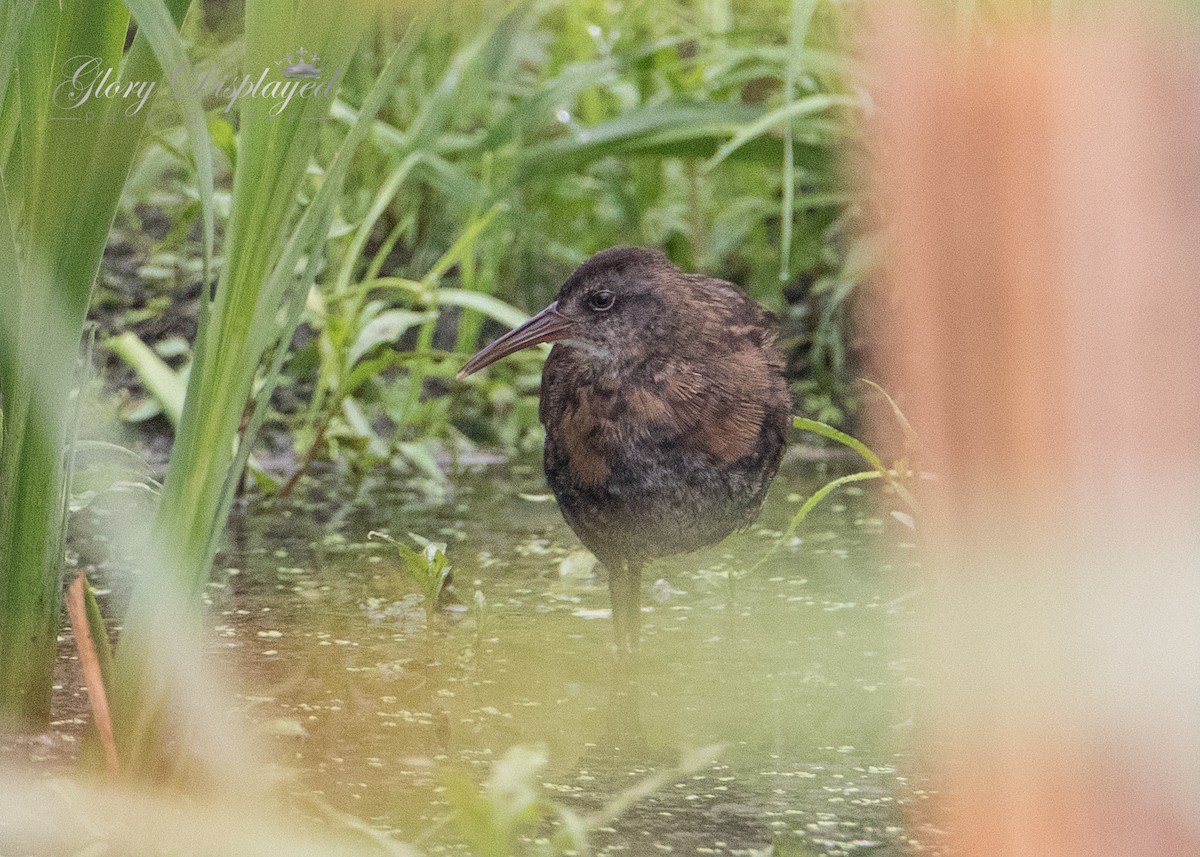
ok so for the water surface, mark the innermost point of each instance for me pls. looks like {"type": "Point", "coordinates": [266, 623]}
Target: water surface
{"type": "Point", "coordinates": [794, 668]}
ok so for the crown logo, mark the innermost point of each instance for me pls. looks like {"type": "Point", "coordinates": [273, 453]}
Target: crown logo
{"type": "Point", "coordinates": [303, 65]}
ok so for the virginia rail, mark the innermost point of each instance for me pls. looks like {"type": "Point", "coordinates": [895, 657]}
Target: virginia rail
{"type": "Point", "coordinates": [665, 409]}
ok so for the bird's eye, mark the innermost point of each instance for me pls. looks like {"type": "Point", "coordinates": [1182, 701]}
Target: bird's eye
{"type": "Point", "coordinates": [602, 300]}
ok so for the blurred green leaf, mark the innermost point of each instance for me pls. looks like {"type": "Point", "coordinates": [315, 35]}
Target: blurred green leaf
{"type": "Point", "coordinates": [387, 326]}
{"type": "Point", "coordinates": [166, 385]}
{"type": "Point", "coordinates": [775, 119]}
{"type": "Point", "coordinates": [678, 130]}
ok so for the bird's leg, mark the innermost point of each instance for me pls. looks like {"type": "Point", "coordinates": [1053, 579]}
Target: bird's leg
{"type": "Point", "coordinates": [625, 589]}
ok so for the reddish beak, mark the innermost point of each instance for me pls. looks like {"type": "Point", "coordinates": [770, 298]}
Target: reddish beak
{"type": "Point", "coordinates": [547, 326]}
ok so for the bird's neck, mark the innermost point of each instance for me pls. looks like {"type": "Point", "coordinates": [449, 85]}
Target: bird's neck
{"type": "Point", "coordinates": [596, 365]}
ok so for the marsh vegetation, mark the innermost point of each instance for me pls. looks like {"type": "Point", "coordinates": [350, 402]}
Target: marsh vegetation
{"type": "Point", "coordinates": [228, 334]}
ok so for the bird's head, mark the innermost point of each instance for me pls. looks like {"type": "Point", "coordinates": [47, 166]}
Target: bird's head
{"type": "Point", "coordinates": [615, 309]}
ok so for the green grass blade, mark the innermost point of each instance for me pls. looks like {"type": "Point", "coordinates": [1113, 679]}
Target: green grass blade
{"type": "Point", "coordinates": [156, 23]}
{"type": "Point", "coordinates": [807, 507]}
{"type": "Point", "coordinates": [802, 13]}
{"type": "Point", "coordinates": [464, 244]}
{"type": "Point", "coordinates": [770, 121]}
{"type": "Point", "coordinates": [315, 222]}
{"type": "Point", "coordinates": [383, 199]}
{"type": "Point", "coordinates": [910, 433]}
{"type": "Point", "coordinates": [164, 383]}
{"type": "Point", "coordinates": [10, 292]}
{"type": "Point", "coordinates": [490, 306]}
{"type": "Point", "coordinates": [826, 430]}
{"type": "Point", "coordinates": [678, 130]}
{"type": "Point", "coordinates": [15, 17]}
{"type": "Point", "coordinates": [823, 492]}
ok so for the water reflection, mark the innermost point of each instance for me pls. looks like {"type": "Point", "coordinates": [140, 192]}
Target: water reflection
{"type": "Point", "coordinates": [624, 738]}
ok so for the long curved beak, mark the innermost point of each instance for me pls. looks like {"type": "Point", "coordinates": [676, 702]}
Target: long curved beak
{"type": "Point", "coordinates": [547, 326]}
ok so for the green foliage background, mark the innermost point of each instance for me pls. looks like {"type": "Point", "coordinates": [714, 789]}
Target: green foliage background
{"type": "Point", "coordinates": [519, 140]}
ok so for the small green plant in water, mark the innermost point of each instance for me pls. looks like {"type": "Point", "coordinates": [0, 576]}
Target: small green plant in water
{"type": "Point", "coordinates": [897, 476]}
{"type": "Point", "coordinates": [510, 814]}
{"type": "Point", "coordinates": [428, 568]}
{"type": "Point", "coordinates": [511, 803]}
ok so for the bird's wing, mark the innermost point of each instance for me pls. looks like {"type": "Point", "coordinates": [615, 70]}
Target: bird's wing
{"type": "Point", "coordinates": [721, 413]}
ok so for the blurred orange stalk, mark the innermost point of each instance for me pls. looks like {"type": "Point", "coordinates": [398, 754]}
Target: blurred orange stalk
{"type": "Point", "coordinates": [1042, 196]}
{"type": "Point", "coordinates": [93, 677]}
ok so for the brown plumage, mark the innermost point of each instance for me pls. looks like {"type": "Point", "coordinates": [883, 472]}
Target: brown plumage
{"type": "Point", "coordinates": [665, 409]}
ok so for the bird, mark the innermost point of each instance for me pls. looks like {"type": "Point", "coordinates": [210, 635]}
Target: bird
{"type": "Point", "coordinates": [665, 409]}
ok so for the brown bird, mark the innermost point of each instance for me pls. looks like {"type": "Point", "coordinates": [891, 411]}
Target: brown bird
{"type": "Point", "coordinates": [665, 409]}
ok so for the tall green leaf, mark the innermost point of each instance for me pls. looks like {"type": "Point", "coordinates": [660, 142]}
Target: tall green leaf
{"type": "Point", "coordinates": [63, 163]}
{"type": "Point", "coordinates": [256, 306]}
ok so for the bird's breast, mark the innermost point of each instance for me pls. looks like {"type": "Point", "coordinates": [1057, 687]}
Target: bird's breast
{"type": "Point", "coordinates": [583, 432]}
{"type": "Point", "coordinates": [614, 435]}
{"type": "Point", "coordinates": [666, 460]}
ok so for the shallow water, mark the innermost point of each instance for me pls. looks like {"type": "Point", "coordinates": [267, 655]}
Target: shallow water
{"type": "Point", "coordinates": [794, 668]}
